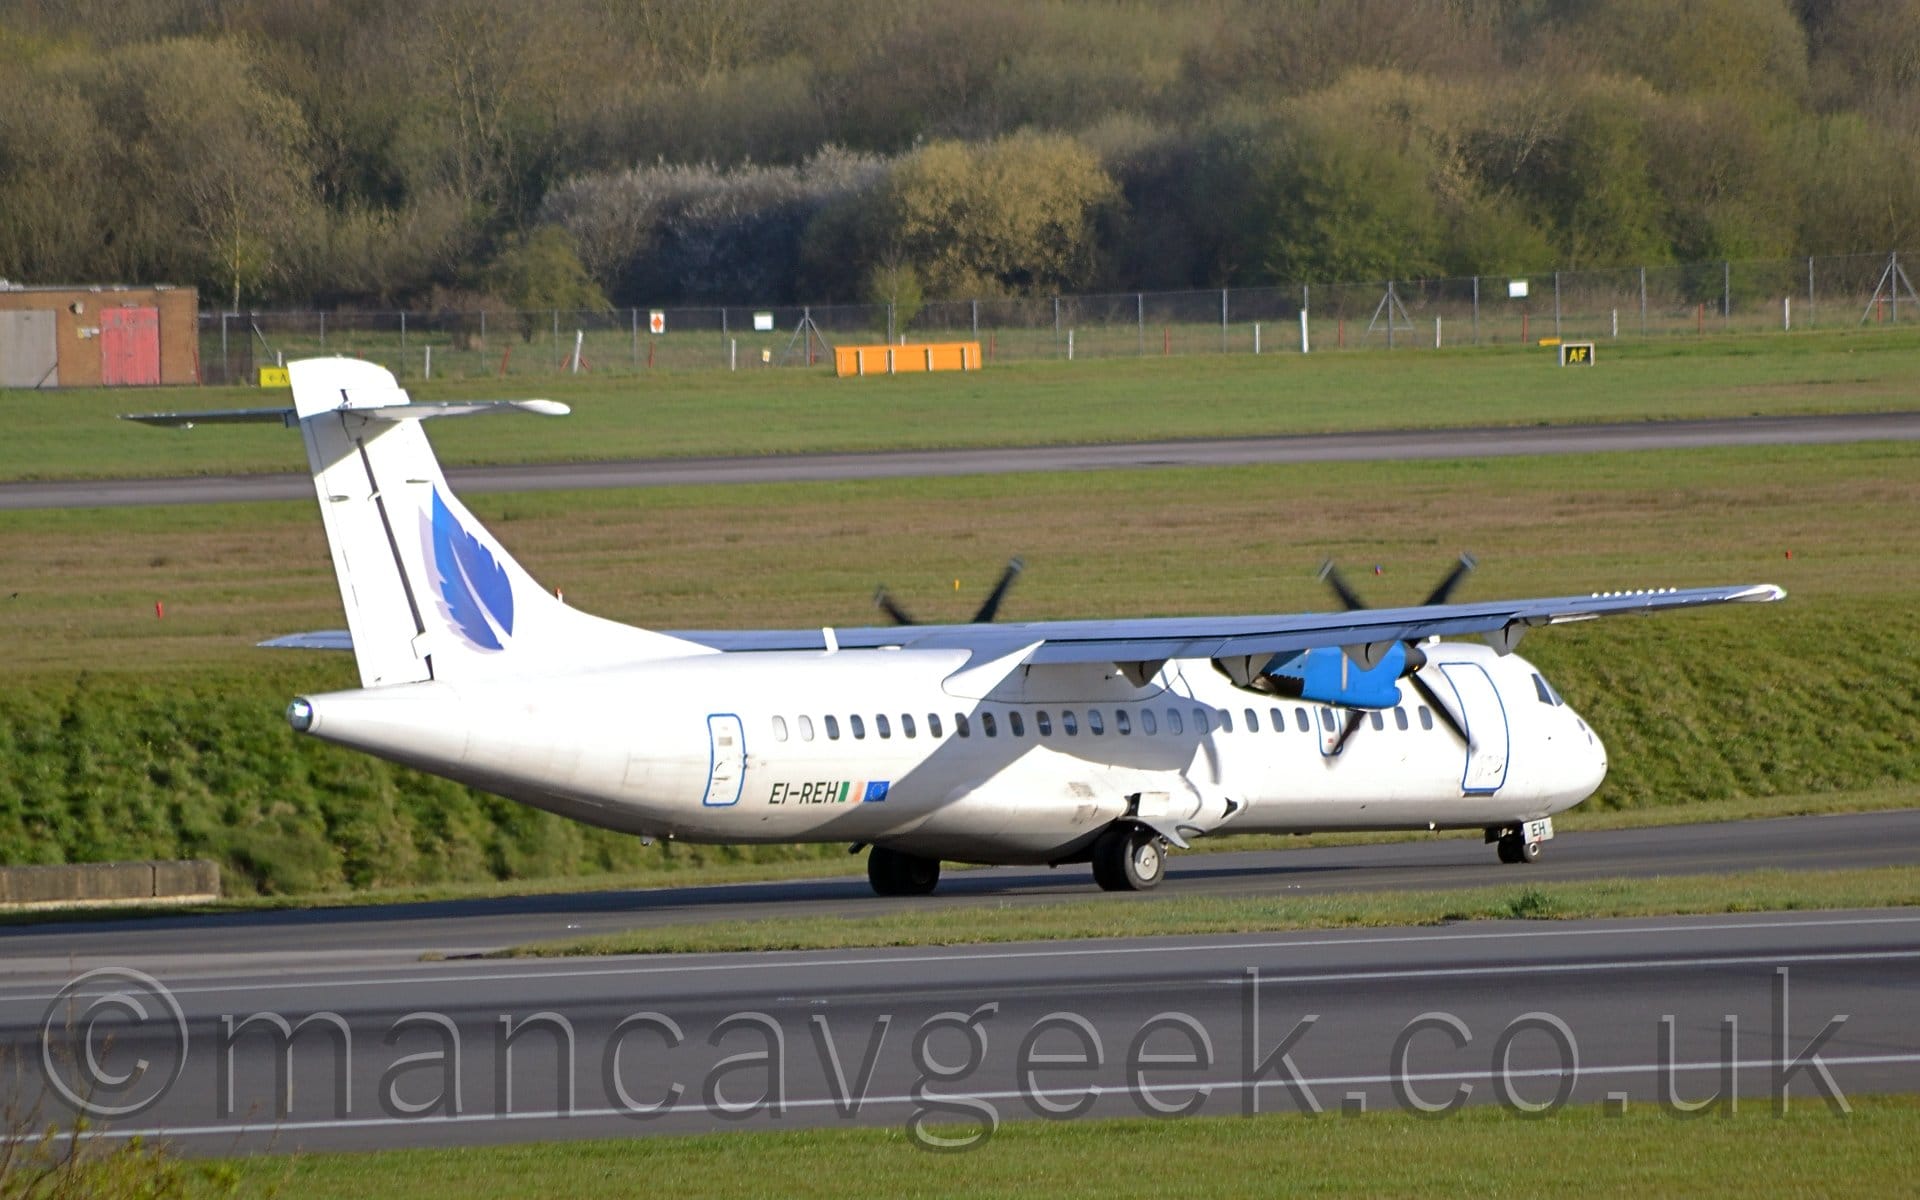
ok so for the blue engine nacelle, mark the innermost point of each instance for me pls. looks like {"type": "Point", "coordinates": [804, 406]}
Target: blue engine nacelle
{"type": "Point", "coordinates": [1327, 675]}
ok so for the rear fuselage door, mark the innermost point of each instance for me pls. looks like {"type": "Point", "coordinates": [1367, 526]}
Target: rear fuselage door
{"type": "Point", "coordinates": [1485, 716]}
{"type": "Point", "coordinates": [727, 770]}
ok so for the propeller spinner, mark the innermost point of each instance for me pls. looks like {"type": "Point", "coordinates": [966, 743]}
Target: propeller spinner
{"type": "Point", "coordinates": [1415, 659]}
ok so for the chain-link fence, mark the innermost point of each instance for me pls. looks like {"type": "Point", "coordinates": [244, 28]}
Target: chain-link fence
{"type": "Point", "coordinates": [1834, 292]}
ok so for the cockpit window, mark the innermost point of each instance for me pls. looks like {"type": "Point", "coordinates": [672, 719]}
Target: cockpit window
{"type": "Point", "coordinates": [1545, 691]}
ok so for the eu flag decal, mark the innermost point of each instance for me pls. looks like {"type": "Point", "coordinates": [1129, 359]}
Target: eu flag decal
{"type": "Point", "coordinates": [876, 792]}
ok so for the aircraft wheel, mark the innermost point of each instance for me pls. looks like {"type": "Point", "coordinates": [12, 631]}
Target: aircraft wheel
{"type": "Point", "coordinates": [895, 874]}
{"type": "Point", "coordinates": [1515, 848]}
{"type": "Point", "coordinates": [1128, 858]}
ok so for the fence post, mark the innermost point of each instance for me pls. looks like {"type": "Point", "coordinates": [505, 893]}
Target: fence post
{"type": "Point", "coordinates": [323, 328]}
{"type": "Point", "coordinates": [403, 331]}
{"type": "Point", "coordinates": [1303, 331]}
{"type": "Point", "coordinates": [1223, 320]}
{"type": "Point", "coordinates": [1390, 308]}
{"type": "Point", "coordinates": [1256, 339]}
{"type": "Point", "coordinates": [1476, 310]}
{"type": "Point", "coordinates": [226, 358]}
{"type": "Point", "coordinates": [1643, 302]}
{"type": "Point", "coordinates": [1140, 321]}
{"type": "Point", "coordinates": [976, 319]}
{"type": "Point", "coordinates": [1726, 296]}
{"type": "Point", "coordinates": [1893, 282]}
{"type": "Point", "coordinates": [1809, 288]}
{"type": "Point", "coordinates": [1556, 304]}
{"type": "Point", "coordinates": [1056, 324]}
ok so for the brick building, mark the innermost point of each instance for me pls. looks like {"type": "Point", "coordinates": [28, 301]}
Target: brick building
{"type": "Point", "coordinates": [112, 336]}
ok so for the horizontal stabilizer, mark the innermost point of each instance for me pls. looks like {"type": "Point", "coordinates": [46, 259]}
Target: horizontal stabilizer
{"type": "Point", "coordinates": [319, 639]}
{"type": "Point", "coordinates": [219, 416]}
{"type": "Point", "coordinates": [416, 411]}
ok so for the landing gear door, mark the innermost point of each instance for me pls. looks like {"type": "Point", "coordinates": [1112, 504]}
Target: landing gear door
{"type": "Point", "coordinates": [727, 770]}
{"type": "Point", "coordinates": [1485, 718]}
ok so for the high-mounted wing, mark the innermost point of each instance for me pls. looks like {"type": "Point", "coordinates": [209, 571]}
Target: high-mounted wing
{"type": "Point", "coordinates": [1162, 638]}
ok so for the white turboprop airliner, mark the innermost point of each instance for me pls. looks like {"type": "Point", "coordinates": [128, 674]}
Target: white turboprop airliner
{"type": "Point", "coordinates": [1048, 742]}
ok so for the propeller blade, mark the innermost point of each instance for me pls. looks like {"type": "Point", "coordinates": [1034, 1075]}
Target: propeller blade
{"type": "Point", "coordinates": [1440, 710]}
{"type": "Point", "coordinates": [1349, 597]}
{"type": "Point", "coordinates": [1460, 571]}
{"type": "Point", "coordinates": [992, 604]}
{"type": "Point", "coordinates": [883, 600]}
{"type": "Point", "coordinates": [1354, 718]}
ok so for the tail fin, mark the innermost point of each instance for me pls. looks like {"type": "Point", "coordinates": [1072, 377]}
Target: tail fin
{"type": "Point", "coordinates": [429, 593]}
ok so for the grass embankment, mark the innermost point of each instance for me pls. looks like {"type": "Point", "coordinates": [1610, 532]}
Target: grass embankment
{"type": "Point", "coordinates": [1188, 915]}
{"type": "Point", "coordinates": [74, 434]}
{"type": "Point", "coordinates": [123, 735]}
{"type": "Point", "coordinates": [1482, 1151]}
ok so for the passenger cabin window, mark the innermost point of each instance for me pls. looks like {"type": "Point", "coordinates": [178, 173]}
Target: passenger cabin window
{"type": "Point", "coordinates": [884, 726]}
{"type": "Point", "coordinates": [987, 726]}
{"type": "Point", "coordinates": [780, 729]}
{"type": "Point", "coordinates": [1426, 717]}
{"type": "Point", "coordinates": [1277, 719]}
{"type": "Point", "coordinates": [833, 729]}
{"type": "Point", "coordinates": [1300, 721]}
{"type": "Point", "coordinates": [1043, 723]}
{"type": "Point", "coordinates": [858, 725]}
{"type": "Point", "coordinates": [1016, 725]}
{"type": "Point", "coordinates": [1400, 718]}
{"type": "Point", "coordinates": [1173, 720]}
{"type": "Point", "coordinates": [960, 726]}
{"type": "Point", "coordinates": [906, 724]}
{"type": "Point", "coordinates": [1200, 724]}
{"type": "Point", "coordinates": [1095, 725]}
{"type": "Point", "coordinates": [1146, 722]}
{"type": "Point", "coordinates": [1253, 721]}
{"type": "Point", "coordinates": [933, 724]}
{"type": "Point", "coordinates": [1068, 724]}
{"type": "Point", "coordinates": [806, 729]}
{"type": "Point", "coordinates": [1226, 720]}
{"type": "Point", "coordinates": [1122, 724]}
{"type": "Point", "coordinates": [1375, 718]}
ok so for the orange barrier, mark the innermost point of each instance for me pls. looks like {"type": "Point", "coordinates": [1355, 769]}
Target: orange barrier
{"type": "Point", "coordinates": [906, 359]}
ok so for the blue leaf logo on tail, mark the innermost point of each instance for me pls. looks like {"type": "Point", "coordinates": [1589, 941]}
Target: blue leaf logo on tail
{"type": "Point", "coordinates": [474, 593]}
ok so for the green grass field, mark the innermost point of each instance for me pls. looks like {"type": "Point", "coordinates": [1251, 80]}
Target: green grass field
{"type": "Point", "coordinates": [1482, 1151]}
{"type": "Point", "coordinates": [74, 434]}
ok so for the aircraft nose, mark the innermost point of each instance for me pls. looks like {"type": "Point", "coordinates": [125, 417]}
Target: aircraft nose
{"type": "Point", "coordinates": [1595, 757]}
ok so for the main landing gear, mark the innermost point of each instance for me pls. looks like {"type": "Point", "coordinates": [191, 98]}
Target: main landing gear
{"type": "Point", "coordinates": [895, 874]}
{"type": "Point", "coordinates": [1128, 858]}
{"type": "Point", "coordinates": [1514, 845]}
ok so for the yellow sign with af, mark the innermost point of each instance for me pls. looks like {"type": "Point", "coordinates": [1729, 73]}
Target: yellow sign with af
{"type": "Point", "coordinates": [1576, 354]}
{"type": "Point", "coordinates": [274, 377]}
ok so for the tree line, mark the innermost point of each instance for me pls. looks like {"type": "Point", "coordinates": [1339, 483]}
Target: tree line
{"type": "Point", "coordinates": [579, 153]}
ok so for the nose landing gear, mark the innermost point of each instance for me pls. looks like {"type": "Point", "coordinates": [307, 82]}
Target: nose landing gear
{"type": "Point", "coordinates": [1514, 845]}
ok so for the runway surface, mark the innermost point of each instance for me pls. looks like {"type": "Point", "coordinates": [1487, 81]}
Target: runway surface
{"type": "Point", "coordinates": [809, 1027]}
{"type": "Point", "coordinates": [1313, 448]}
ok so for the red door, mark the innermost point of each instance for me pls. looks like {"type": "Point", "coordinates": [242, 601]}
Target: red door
{"type": "Point", "coordinates": [129, 346]}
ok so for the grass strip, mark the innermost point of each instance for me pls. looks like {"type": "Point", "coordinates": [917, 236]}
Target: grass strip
{"type": "Point", "coordinates": [1107, 916]}
{"type": "Point", "coordinates": [1480, 1151]}
{"type": "Point", "coordinates": [73, 434]}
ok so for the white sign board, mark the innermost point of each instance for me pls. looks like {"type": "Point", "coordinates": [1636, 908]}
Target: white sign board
{"type": "Point", "coordinates": [1516, 289]}
{"type": "Point", "coordinates": [656, 321]}
{"type": "Point", "coordinates": [762, 322]}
